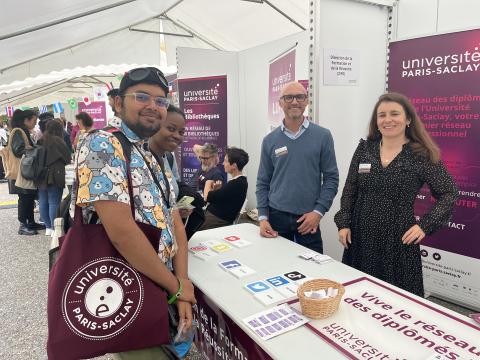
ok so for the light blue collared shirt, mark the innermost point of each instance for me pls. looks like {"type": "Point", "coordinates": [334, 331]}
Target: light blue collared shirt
{"type": "Point", "coordinates": [301, 130]}
{"type": "Point", "coordinates": [293, 136]}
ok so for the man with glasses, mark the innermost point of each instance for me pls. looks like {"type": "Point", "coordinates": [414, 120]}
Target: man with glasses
{"type": "Point", "coordinates": [103, 188]}
{"type": "Point", "coordinates": [298, 176]}
{"type": "Point", "coordinates": [208, 156]}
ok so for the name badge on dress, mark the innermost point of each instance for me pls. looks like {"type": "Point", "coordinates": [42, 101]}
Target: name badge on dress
{"type": "Point", "coordinates": [281, 151]}
{"type": "Point", "coordinates": [364, 168]}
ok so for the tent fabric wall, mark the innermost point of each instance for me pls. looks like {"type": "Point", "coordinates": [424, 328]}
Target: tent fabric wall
{"type": "Point", "coordinates": [106, 37]}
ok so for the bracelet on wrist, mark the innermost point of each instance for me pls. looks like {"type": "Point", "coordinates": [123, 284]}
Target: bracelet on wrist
{"type": "Point", "coordinates": [173, 298]}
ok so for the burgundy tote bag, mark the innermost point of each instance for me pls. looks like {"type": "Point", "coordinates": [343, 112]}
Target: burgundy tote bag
{"type": "Point", "coordinates": [97, 302]}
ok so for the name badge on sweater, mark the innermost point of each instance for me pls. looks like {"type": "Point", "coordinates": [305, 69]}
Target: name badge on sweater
{"type": "Point", "coordinates": [364, 168]}
{"type": "Point", "coordinates": [281, 151]}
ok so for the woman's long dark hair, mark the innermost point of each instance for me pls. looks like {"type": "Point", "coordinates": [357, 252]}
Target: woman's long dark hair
{"type": "Point", "coordinates": [53, 133]}
{"type": "Point", "coordinates": [19, 117]}
{"type": "Point", "coordinates": [420, 140]}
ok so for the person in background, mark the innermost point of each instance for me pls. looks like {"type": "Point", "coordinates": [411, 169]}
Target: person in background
{"type": "Point", "coordinates": [111, 99]}
{"type": "Point", "coordinates": [162, 145]}
{"type": "Point", "coordinates": [25, 120]}
{"type": "Point", "coordinates": [114, 121]}
{"type": "Point", "coordinates": [44, 119]}
{"type": "Point", "coordinates": [3, 143]}
{"type": "Point", "coordinates": [225, 203]}
{"type": "Point", "coordinates": [85, 123]}
{"type": "Point", "coordinates": [298, 176]}
{"type": "Point", "coordinates": [208, 156]}
{"type": "Point", "coordinates": [50, 188]}
{"type": "Point", "coordinates": [376, 220]}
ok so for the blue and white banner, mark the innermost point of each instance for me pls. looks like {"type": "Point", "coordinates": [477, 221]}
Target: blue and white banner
{"type": "Point", "coordinates": [57, 107]}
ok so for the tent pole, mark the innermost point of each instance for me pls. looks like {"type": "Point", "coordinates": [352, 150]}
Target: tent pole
{"type": "Point", "coordinates": [282, 13]}
{"type": "Point", "coordinates": [66, 19]}
{"type": "Point", "coordinates": [194, 33]}
{"type": "Point", "coordinates": [161, 33]}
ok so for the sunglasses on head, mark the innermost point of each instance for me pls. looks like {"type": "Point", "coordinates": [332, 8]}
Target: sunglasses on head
{"type": "Point", "coordinates": [140, 74]}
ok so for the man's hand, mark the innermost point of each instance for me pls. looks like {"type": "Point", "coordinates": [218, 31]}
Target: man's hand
{"type": "Point", "coordinates": [309, 223]}
{"type": "Point", "coordinates": [345, 237]}
{"type": "Point", "coordinates": [187, 291]}
{"type": "Point", "coordinates": [266, 230]}
{"type": "Point", "coordinates": [185, 314]}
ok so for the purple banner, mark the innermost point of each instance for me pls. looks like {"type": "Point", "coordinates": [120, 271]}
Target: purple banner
{"type": "Point", "coordinates": [204, 101]}
{"type": "Point", "coordinates": [219, 337]}
{"type": "Point", "coordinates": [98, 112]}
{"type": "Point", "coordinates": [441, 76]}
{"type": "Point", "coordinates": [281, 71]}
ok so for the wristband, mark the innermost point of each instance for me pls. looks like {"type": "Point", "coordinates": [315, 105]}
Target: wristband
{"type": "Point", "coordinates": [172, 299]}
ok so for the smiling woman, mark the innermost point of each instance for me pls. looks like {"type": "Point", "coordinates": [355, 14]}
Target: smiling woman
{"type": "Point", "coordinates": [376, 220]}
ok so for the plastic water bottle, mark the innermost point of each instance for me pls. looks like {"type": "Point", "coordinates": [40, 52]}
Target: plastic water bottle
{"type": "Point", "coordinates": [54, 244]}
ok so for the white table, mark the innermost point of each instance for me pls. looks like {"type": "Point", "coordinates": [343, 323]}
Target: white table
{"type": "Point", "coordinates": [269, 257]}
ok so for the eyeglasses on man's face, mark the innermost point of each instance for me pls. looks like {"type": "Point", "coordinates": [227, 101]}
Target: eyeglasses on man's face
{"type": "Point", "coordinates": [298, 97]}
{"type": "Point", "coordinates": [144, 98]}
{"type": "Point", "coordinates": [205, 158]}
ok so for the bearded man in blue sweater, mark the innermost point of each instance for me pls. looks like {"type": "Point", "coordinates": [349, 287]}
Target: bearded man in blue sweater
{"type": "Point", "coordinates": [298, 176]}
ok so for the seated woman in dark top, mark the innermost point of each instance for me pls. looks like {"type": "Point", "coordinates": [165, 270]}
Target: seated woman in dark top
{"type": "Point", "coordinates": [226, 202]}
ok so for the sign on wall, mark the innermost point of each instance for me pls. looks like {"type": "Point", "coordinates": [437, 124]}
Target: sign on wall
{"type": "Point", "coordinates": [441, 76]}
{"type": "Point", "coordinates": [97, 111]}
{"type": "Point", "coordinates": [204, 102]}
{"type": "Point", "coordinates": [281, 72]}
{"type": "Point", "coordinates": [340, 66]}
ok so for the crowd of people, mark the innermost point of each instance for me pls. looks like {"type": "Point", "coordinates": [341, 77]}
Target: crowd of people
{"type": "Point", "coordinates": [296, 184]}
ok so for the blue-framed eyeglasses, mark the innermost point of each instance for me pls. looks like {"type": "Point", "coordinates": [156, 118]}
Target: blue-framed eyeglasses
{"type": "Point", "coordinates": [144, 98]}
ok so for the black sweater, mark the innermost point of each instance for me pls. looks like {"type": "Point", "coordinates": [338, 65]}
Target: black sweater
{"type": "Point", "coordinates": [227, 202]}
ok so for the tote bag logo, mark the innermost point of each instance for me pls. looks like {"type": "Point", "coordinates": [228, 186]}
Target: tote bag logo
{"type": "Point", "coordinates": [102, 299]}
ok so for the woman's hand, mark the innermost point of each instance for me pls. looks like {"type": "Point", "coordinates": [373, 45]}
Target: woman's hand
{"type": "Point", "coordinates": [217, 185]}
{"type": "Point", "coordinates": [414, 234]}
{"type": "Point", "coordinates": [184, 213]}
{"type": "Point", "coordinates": [345, 237]}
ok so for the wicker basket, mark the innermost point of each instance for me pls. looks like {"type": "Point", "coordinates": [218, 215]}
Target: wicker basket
{"type": "Point", "coordinates": [319, 308]}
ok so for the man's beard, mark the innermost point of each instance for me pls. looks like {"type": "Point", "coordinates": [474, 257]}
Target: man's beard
{"type": "Point", "coordinates": [206, 167]}
{"type": "Point", "coordinates": [143, 132]}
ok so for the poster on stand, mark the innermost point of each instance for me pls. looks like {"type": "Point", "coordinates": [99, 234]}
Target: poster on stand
{"type": "Point", "coordinates": [204, 102]}
{"type": "Point", "coordinates": [441, 75]}
{"type": "Point", "coordinates": [281, 72]}
{"type": "Point", "coordinates": [97, 111]}
{"type": "Point", "coordinates": [376, 321]}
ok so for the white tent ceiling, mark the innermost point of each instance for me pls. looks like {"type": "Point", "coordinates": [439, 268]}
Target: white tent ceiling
{"type": "Point", "coordinates": [38, 37]}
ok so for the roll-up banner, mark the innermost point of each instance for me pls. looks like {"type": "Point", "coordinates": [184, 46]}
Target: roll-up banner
{"type": "Point", "coordinates": [441, 76]}
{"type": "Point", "coordinates": [204, 102]}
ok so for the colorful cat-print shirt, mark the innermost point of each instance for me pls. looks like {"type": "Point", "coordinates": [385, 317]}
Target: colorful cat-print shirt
{"type": "Point", "coordinates": [102, 175]}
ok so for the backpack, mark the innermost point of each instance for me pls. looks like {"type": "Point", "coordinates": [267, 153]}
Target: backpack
{"type": "Point", "coordinates": [33, 164]}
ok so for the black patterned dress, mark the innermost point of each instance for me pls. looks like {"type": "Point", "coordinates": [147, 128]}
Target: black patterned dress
{"type": "Point", "coordinates": [378, 207]}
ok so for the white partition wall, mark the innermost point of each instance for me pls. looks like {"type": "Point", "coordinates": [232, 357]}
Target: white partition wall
{"type": "Point", "coordinates": [416, 18]}
{"type": "Point", "coordinates": [346, 110]}
{"type": "Point", "coordinates": [247, 82]}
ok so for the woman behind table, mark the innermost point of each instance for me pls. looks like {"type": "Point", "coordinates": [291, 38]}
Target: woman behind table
{"type": "Point", "coordinates": [26, 121]}
{"type": "Point", "coordinates": [85, 124]}
{"type": "Point", "coordinates": [50, 189]}
{"type": "Point", "coordinates": [376, 220]}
